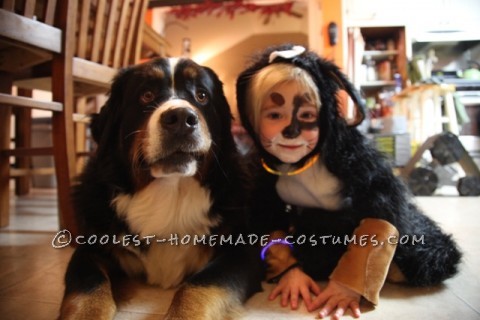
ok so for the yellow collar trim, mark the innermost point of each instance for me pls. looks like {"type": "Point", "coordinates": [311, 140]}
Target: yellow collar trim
{"type": "Point", "coordinates": [307, 165]}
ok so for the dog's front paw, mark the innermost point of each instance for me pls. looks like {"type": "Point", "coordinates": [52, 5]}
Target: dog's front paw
{"type": "Point", "coordinates": [98, 304]}
{"type": "Point", "coordinates": [204, 303]}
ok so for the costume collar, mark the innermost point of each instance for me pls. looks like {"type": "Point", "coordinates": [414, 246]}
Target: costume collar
{"type": "Point", "coordinates": [307, 165]}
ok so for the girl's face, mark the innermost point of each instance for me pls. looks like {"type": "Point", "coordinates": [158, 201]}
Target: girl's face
{"type": "Point", "coordinates": [288, 126]}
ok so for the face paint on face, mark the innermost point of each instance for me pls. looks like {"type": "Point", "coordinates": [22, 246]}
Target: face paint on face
{"type": "Point", "coordinates": [288, 126]}
{"type": "Point", "coordinates": [277, 99]}
{"type": "Point", "coordinates": [297, 125]}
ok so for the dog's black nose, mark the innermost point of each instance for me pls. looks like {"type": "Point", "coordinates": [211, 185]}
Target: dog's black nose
{"type": "Point", "coordinates": [179, 120]}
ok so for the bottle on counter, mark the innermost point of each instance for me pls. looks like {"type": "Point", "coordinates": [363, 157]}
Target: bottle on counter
{"type": "Point", "coordinates": [371, 70]}
{"type": "Point", "coordinates": [397, 77]}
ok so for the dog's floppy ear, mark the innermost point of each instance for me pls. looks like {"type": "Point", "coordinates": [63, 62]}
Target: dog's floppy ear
{"type": "Point", "coordinates": [222, 105]}
{"type": "Point", "coordinates": [331, 79]}
{"type": "Point", "coordinates": [98, 123]}
{"type": "Point", "coordinates": [103, 123]}
{"type": "Point", "coordinates": [344, 88]}
{"type": "Point", "coordinates": [357, 114]}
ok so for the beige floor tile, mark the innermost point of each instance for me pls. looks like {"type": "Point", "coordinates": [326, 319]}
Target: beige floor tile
{"type": "Point", "coordinates": [15, 309]}
{"type": "Point", "coordinates": [31, 272]}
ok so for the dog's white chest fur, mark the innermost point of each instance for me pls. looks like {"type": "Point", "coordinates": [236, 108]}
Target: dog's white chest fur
{"type": "Point", "coordinates": [166, 208]}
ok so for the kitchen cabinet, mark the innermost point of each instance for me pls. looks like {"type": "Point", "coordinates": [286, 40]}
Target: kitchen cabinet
{"type": "Point", "coordinates": [378, 60]}
{"type": "Point", "coordinates": [424, 15]}
{"type": "Point", "coordinates": [374, 12]}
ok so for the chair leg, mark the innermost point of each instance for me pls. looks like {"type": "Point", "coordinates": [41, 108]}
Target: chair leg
{"type": "Point", "coordinates": [64, 156]}
{"type": "Point", "coordinates": [62, 122]}
{"type": "Point", "coordinates": [64, 142]}
{"type": "Point", "coordinates": [80, 134]}
{"type": "Point", "coordinates": [23, 138]}
{"type": "Point", "coordinates": [5, 118]}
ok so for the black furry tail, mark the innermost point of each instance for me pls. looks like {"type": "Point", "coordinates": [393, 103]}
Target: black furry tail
{"type": "Point", "coordinates": [431, 260]}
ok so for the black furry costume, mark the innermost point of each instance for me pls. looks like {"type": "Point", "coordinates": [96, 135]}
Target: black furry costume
{"type": "Point", "coordinates": [370, 190]}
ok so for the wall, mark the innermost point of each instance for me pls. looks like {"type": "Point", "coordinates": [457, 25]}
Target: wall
{"type": "Point", "coordinates": [225, 44]}
{"type": "Point", "coordinates": [331, 11]}
{"type": "Point", "coordinates": [211, 35]}
{"type": "Point", "coordinates": [229, 63]}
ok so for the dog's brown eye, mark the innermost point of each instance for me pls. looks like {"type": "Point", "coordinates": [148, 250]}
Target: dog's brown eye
{"type": "Point", "coordinates": [147, 97]}
{"type": "Point", "coordinates": [201, 96]}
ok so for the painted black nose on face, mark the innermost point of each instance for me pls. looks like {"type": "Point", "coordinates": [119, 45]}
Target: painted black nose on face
{"type": "Point", "coordinates": [179, 120]}
{"type": "Point", "coordinates": [292, 131]}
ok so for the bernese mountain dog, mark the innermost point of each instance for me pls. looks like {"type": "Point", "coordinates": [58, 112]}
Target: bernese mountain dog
{"type": "Point", "coordinates": [165, 176]}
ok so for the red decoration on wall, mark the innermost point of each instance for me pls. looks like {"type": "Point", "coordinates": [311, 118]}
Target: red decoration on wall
{"type": "Point", "coordinates": [230, 8]}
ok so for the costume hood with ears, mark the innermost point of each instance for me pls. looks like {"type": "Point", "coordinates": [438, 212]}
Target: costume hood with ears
{"type": "Point", "coordinates": [327, 77]}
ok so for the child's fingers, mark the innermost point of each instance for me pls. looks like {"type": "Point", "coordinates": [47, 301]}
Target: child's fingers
{"type": "Point", "coordinates": [341, 307]}
{"type": "Point", "coordinates": [294, 298]}
{"type": "Point", "coordinates": [285, 295]}
{"type": "Point", "coordinates": [315, 288]}
{"type": "Point", "coordinates": [318, 301]}
{"type": "Point", "coordinates": [305, 293]}
{"type": "Point", "coordinates": [275, 292]}
{"type": "Point", "coordinates": [328, 307]}
{"type": "Point", "coordinates": [355, 309]}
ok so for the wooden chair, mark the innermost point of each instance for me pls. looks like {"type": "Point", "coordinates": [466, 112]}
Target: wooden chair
{"type": "Point", "coordinates": [102, 36]}
{"type": "Point", "coordinates": [26, 41]}
{"type": "Point", "coordinates": [108, 36]}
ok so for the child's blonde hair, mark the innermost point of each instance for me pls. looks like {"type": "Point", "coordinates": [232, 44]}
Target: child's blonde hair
{"type": "Point", "coordinates": [270, 76]}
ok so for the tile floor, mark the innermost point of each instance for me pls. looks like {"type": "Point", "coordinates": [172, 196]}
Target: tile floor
{"type": "Point", "coordinates": [31, 271]}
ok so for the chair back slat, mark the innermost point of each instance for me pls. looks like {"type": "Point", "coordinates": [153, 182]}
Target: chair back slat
{"type": "Point", "coordinates": [82, 29]}
{"type": "Point", "coordinates": [49, 12]}
{"type": "Point", "coordinates": [108, 31]}
{"type": "Point", "coordinates": [118, 48]}
{"type": "Point", "coordinates": [98, 30]}
{"type": "Point", "coordinates": [131, 32]}
{"type": "Point", "coordinates": [29, 9]}
{"type": "Point", "coordinates": [8, 5]}
{"type": "Point", "coordinates": [21, 32]}
{"type": "Point", "coordinates": [138, 32]}
{"type": "Point", "coordinates": [40, 10]}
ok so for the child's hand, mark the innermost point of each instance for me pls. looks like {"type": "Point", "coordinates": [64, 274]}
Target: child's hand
{"type": "Point", "coordinates": [292, 284]}
{"type": "Point", "coordinates": [336, 299]}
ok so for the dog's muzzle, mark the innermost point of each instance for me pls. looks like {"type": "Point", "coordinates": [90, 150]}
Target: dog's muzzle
{"type": "Point", "coordinates": [178, 137]}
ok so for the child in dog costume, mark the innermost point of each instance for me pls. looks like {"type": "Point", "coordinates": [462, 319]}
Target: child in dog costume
{"type": "Point", "coordinates": [327, 193]}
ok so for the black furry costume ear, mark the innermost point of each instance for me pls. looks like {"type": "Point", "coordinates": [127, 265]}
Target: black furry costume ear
{"type": "Point", "coordinates": [329, 81]}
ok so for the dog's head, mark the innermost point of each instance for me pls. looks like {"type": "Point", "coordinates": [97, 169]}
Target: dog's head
{"type": "Point", "coordinates": [164, 118]}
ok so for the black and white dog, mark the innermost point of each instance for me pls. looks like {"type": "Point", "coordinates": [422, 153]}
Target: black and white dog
{"type": "Point", "coordinates": [166, 166]}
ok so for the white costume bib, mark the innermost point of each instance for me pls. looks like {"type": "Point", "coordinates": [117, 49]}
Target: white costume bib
{"type": "Point", "coordinates": [315, 187]}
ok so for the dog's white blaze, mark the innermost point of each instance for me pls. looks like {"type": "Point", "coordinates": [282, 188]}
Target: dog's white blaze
{"type": "Point", "coordinates": [173, 63]}
{"type": "Point", "coordinates": [168, 207]}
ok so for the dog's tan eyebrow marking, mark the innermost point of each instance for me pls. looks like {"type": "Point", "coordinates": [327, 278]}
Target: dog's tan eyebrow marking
{"type": "Point", "coordinates": [190, 72]}
{"type": "Point", "coordinates": [157, 72]}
